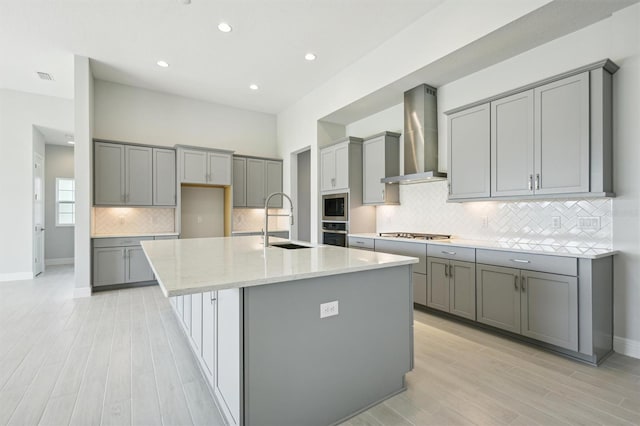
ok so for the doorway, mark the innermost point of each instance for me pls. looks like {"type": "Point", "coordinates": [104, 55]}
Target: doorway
{"type": "Point", "coordinates": [303, 194]}
{"type": "Point", "coordinates": [38, 214]}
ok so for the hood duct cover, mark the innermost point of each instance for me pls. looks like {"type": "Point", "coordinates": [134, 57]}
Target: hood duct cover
{"type": "Point", "coordinates": [420, 137]}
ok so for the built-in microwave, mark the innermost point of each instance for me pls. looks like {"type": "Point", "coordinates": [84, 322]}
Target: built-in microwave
{"type": "Point", "coordinates": [335, 207]}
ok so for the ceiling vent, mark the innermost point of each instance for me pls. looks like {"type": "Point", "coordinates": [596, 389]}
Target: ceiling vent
{"type": "Point", "coordinates": [44, 76]}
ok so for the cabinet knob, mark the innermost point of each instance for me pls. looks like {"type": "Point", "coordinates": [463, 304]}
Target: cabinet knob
{"type": "Point", "coordinates": [538, 181]}
{"type": "Point", "coordinates": [530, 182]}
{"type": "Point", "coordinates": [446, 274]}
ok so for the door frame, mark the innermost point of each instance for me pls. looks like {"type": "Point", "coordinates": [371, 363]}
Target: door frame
{"type": "Point", "coordinates": [293, 184]}
{"type": "Point", "coordinates": [38, 255]}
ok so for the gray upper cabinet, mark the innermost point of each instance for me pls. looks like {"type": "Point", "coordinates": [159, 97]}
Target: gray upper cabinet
{"type": "Point", "coordinates": [204, 166]}
{"type": "Point", "coordinates": [256, 179]}
{"type": "Point", "coordinates": [380, 159]}
{"type": "Point", "coordinates": [562, 136]}
{"type": "Point", "coordinates": [341, 165]}
{"type": "Point", "coordinates": [164, 177]}
{"type": "Point", "coordinates": [109, 171]}
{"type": "Point", "coordinates": [512, 145]}
{"type": "Point", "coordinates": [138, 175]}
{"type": "Point", "coordinates": [469, 148]}
{"type": "Point", "coordinates": [239, 182]}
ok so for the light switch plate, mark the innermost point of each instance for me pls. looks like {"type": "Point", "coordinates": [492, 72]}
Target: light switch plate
{"type": "Point", "coordinates": [556, 222]}
{"type": "Point", "coordinates": [329, 309]}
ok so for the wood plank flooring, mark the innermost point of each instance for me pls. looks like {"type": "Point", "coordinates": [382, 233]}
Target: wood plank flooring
{"type": "Point", "coordinates": [120, 358]}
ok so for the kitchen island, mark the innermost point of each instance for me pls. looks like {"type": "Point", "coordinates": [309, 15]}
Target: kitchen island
{"type": "Point", "coordinates": [310, 336]}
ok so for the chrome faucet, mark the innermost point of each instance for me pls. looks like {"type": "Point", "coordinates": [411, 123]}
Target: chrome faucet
{"type": "Point", "coordinates": [267, 216]}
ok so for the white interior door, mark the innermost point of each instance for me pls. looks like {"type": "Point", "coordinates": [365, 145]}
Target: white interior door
{"type": "Point", "coordinates": [38, 214]}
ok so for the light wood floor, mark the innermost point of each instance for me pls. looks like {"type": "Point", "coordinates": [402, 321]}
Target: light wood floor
{"type": "Point", "coordinates": [120, 358]}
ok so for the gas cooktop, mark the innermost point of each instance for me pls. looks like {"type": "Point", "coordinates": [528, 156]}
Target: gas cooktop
{"type": "Point", "coordinates": [415, 235]}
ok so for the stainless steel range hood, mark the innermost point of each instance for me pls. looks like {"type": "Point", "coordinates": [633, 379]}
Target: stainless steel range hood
{"type": "Point", "coordinates": [420, 138]}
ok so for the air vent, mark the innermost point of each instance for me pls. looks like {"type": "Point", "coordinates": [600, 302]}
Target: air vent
{"type": "Point", "coordinates": [44, 76]}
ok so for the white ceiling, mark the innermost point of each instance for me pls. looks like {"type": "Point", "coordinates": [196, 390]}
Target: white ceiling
{"type": "Point", "coordinates": [125, 38]}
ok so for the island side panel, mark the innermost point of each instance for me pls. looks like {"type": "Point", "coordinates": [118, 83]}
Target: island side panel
{"type": "Point", "coordinates": [301, 369]}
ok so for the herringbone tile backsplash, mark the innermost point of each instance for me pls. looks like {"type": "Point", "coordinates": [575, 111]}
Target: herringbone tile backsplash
{"type": "Point", "coordinates": [424, 208]}
{"type": "Point", "coordinates": [132, 220]}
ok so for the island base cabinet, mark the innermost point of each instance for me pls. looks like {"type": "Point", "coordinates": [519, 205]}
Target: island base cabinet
{"type": "Point", "coordinates": [208, 359]}
{"type": "Point", "coordinates": [229, 353]}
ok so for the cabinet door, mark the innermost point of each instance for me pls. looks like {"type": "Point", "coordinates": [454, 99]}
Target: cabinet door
{"type": "Point", "coordinates": [550, 308]}
{"type": "Point", "coordinates": [438, 283]}
{"type": "Point", "coordinates": [373, 166]}
{"type": "Point", "coordinates": [255, 183]}
{"type": "Point", "coordinates": [273, 175]}
{"type": "Point", "coordinates": [108, 266]}
{"type": "Point", "coordinates": [164, 177]}
{"type": "Point", "coordinates": [139, 175]}
{"type": "Point", "coordinates": [219, 169]}
{"type": "Point", "coordinates": [108, 172]}
{"type": "Point", "coordinates": [186, 313]}
{"type": "Point", "coordinates": [562, 136]}
{"type": "Point", "coordinates": [327, 169]}
{"type": "Point", "coordinates": [227, 374]}
{"type": "Point", "coordinates": [137, 266]}
{"type": "Point", "coordinates": [419, 288]}
{"type": "Point", "coordinates": [512, 145]}
{"type": "Point", "coordinates": [208, 333]}
{"type": "Point", "coordinates": [193, 165]}
{"type": "Point", "coordinates": [469, 147]}
{"type": "Point", "coordinates": [196, 322]}
{"type": "Point", "coordinates": [342, 166]}
{"type": "Point", "coordinates": [239, 183]}
{"type": "Point", "coordinates": [498, 297]}
{"type": "Point", "coordinates": [462, 289]}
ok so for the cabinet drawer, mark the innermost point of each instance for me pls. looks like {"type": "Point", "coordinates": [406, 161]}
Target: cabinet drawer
{"type": "Point", "coordinates": [119, 242]}
{"type": "Point", "coordinates": [363, 243]}
{"type": "Point", "coordinates": [402, 248]}
{"type": "Point", "coordinates": [533, 262]}
{"type": "Point", "coordinates": [465, 254]}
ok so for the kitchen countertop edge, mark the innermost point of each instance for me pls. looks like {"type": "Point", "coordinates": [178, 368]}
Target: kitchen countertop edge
{"type": "Point", "coordinates": [134, 235]}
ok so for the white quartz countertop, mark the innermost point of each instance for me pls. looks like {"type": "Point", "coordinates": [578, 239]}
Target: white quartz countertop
{"type": "Point", "coordinates": [131, 235]}
{"type": "Point", "coordinates": [209, 264]}
{"type": "Point", "coordinates": [552, 250]}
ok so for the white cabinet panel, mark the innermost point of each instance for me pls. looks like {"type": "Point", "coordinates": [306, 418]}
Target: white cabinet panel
{"type": "Point", "coordinates": [196, 322]}
{"type": "Point", "coordinates": [342, 167]}
{"type": "Point", "coordinates": [327, 169]}
{"type": "Point", "coordinates": [209, 317]}
{"type": "Point", "coordinates": [228, 350]}
{"type": "Point", "coordinates": [239, 182]}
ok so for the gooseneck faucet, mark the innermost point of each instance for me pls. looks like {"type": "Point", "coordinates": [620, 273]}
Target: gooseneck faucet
{"type": "Point", "coordinates": [267, 216]}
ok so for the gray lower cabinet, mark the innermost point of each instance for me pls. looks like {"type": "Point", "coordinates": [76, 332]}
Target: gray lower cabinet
{"type": "Point", "coordinates": [164, 177]}
{"type": "Point", "coordinates": [451, 286]}
{"type": "Point", "coordinates": [108, 266]}
{"type": "Point", "coordinates": [137, 266]}
{"type": "Point", "coordinates": [539, 305]}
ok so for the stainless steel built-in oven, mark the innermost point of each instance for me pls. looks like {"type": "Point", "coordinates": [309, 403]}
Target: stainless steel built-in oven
{"type": "Point", "coordinates": [335, 207]}
{"type": "Point", "coordinates": [334, 234]}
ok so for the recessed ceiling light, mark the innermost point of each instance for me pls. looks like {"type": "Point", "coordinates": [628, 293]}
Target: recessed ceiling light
{"type": "Point", "coordinates": [253, 87]}
{"type": "Point", "coordinates": [224, 27]}
{"type": "Point", "coordinates": [163, 64]}
{"type": "Point", "coordinates": [310, 57]}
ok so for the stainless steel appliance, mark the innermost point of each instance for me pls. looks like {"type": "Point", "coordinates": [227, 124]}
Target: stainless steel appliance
{"type": "Point", "coordinates": [415, 235]}
{"type": "Point", "coordinates": [335, 207]}
{"type": "Point", "coordinates": [334, 233]}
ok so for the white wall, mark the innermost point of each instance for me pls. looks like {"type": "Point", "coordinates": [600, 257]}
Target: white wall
{"type": "Point", "coordinates": [19, 112]}
{"type": "Point", "coordinates": [58, 243]}
{"type": "Point", "coordinates": [130, 114]}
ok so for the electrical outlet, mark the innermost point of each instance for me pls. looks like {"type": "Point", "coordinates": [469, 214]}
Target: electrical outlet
{"type": "Point", "coordinates": [589, 222]}
{"type": "Point", "coordinates": [329, 309]}
{"type": "Point", "coordinates": [556, 222]}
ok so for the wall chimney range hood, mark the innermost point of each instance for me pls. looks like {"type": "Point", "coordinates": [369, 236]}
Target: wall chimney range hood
{"type": "Point", "coordinates": [420, 138]}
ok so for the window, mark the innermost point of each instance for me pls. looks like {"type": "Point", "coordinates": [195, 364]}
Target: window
{"type": "Point", "coordinates": [65, 202]}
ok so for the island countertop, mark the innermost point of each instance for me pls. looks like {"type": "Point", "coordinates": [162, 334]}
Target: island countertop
{"type": "Point", "coordinates": [198, 265]}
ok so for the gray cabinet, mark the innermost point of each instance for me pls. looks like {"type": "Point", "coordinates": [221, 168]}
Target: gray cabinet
{"type": "Point", "coordinates": [108, 266]}
{"type": "Point", "coordinates": [256, 179]}
{"type": "Point", "coordinates": [451, 286]}
{"type": "Point", "coordinates": [137, 266]}
{"type": "Point", "coordinates": [164, 177]}
{"type": "Point", "coordinates": [380, 159]}
{"type": "Point", "coordinates": [121, 261]}
{"type": "Point", "coordinates": [469, 153]}
{"type": "Point", "coordinates": [341, 165]}
{"type": "Point", "coordinates": [512, 151]}
{"type": "Point", "coordinates": [539, 305]}
{"type": "Point", "coordinates": [207, 167]}
{"type": "Point", "coordinates": [138, 175]}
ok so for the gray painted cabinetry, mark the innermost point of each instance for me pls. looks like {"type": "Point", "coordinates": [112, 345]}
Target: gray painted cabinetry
{"type": "Point", "coordinates": [419, 277]}
{"type": "Point", "coordinates": [341, 165]}
{"type": "Point", "coordinates": [254, 179]}
{"type": "Point", "coordinates": [164, 177]}
{"type": "Point", "coordinates": [201, 166]}
{"type": "Point", "coordinates": [549, 139]}
{"type": "Point", "coordinates": [451, 280]}
{"type": "Point", "coordinates": [380, 159]}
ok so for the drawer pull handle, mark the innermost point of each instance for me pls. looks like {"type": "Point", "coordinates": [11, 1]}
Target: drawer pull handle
{"type": "Point", "coordinates": [452, 253]}
{"type": "Point", "coordinates": [523, 284]}
{"type": "Point", "coordinates": [515, 282]}
{"type": "Point", "coordinates": [520, 260]}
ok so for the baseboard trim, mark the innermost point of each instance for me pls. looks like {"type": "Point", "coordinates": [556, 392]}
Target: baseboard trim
{"type": "Point", "coordinates": [81, 292]}
{"type": "Point", "coordinates": [16, 276]}
{"type": "Point", "coordinates": [626, 346]}
{"type": "Point", "coordinates": [59, 261]}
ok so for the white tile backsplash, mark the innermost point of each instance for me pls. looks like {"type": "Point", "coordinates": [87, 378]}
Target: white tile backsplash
{"type": "Point", "coordinates": [253, 220]}
{"type": "Point", "coordinates": [136, 220]}
{"type": "Point", "coordinates": [424, 208]}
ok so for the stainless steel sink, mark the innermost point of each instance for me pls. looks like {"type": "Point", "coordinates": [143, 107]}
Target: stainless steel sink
{"type": "Point", "coordinates": [289, 246]}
